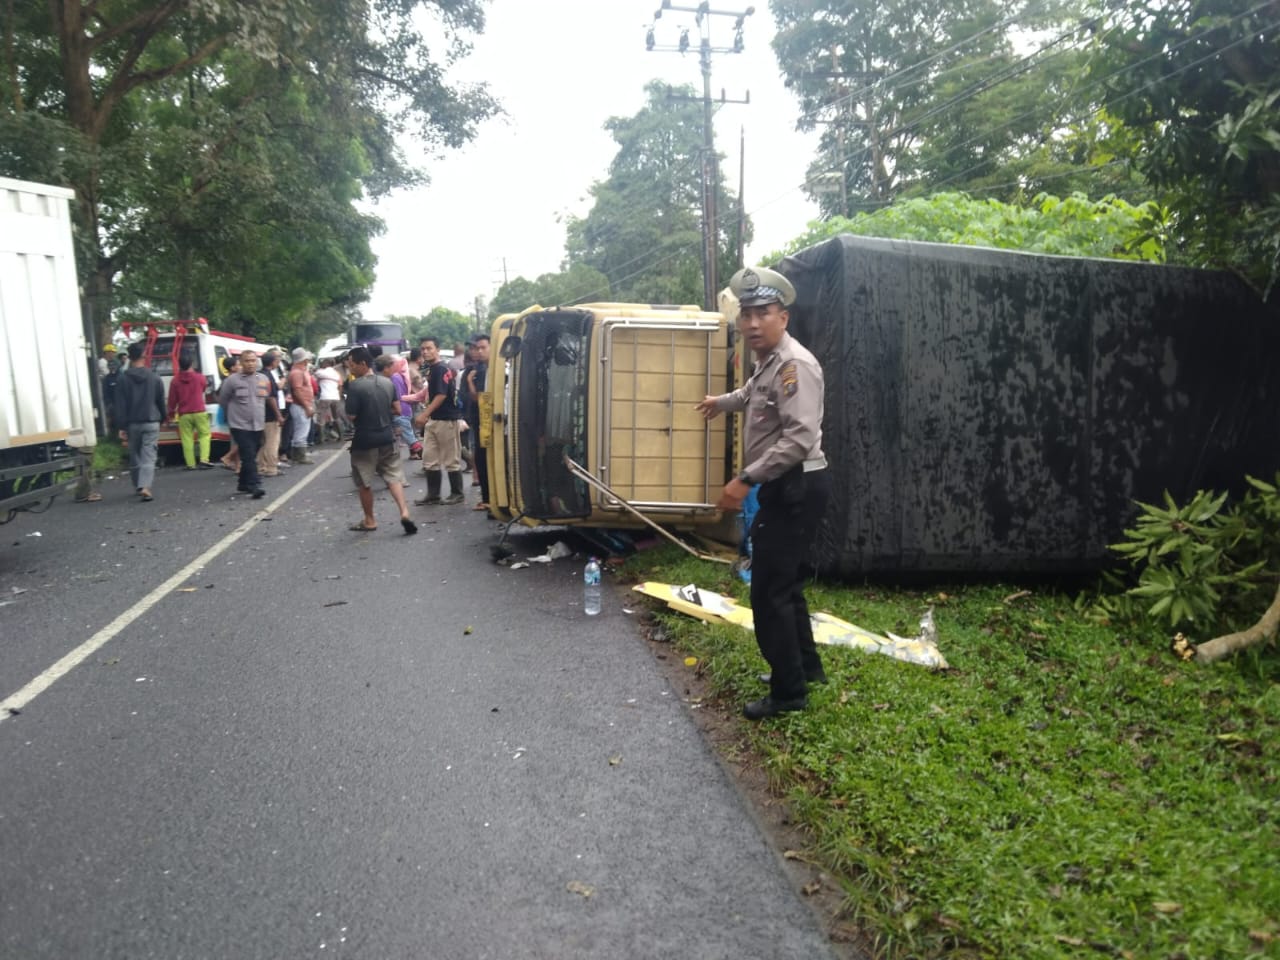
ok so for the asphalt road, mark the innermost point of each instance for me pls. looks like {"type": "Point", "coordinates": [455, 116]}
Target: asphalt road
{"type": "Point", "coordinates": [243, 731]}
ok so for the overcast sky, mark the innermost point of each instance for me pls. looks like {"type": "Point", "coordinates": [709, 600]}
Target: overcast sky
{"type": "Point", "coordinates": [561, 68]}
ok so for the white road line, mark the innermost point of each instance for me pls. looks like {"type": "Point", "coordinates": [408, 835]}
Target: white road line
{"type": "Point", "coordinates": [81, 653]}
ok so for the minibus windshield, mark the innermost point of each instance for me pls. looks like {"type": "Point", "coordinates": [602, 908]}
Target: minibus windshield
{"type": "Point", "coordinates": [551, 378]}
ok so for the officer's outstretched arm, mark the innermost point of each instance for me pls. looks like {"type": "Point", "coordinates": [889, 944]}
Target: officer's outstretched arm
{"type": "Point", "coordinates": [709, 407]}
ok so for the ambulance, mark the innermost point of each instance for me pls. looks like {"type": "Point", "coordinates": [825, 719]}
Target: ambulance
{"type": "Point", "coordinates": [166, 340]}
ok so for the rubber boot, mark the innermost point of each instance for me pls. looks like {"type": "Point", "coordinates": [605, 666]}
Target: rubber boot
{"type": "Point", "coordinates": [455, 487]}
{"type": "Point", "coordinates": [433, 490]}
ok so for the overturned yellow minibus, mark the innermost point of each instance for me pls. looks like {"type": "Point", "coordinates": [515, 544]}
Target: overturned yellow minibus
{"type": "Point", "coordinates": [608, 389]}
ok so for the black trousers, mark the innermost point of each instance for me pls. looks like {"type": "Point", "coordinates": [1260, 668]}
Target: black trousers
{"type": "Point", "coordinates": [782, 536]}
{"type": "Point", "coordinates": [249, 442]}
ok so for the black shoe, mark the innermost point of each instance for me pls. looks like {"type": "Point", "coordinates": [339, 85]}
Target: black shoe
{"type": "Point", "coordinates": [769, 707]}
{"type": "Point", "coordinates": [204, 465]}
{"type": "Point", "coordinates": [814, 680]}
{"type": "Point", "coordinates": [259, 493]}
{"type": "Point", "coordinates": [241, 489]}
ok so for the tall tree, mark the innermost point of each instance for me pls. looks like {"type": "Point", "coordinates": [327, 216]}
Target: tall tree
{"type": "Point", "coordinates": [644, 230]}
{"type": "Point", "coordinates": [85, 70]}
{"type": "Point", "coordinates": [1199, 82]}
{"type": "Point", "coordinates": [578, 284]}
{"type": "Point", "coordinates": [446, 325]}
{"type": "Point", "coordinates": [918, 93]}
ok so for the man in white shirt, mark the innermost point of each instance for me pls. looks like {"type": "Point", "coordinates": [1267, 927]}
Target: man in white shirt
{"type": "Point", "coordinates": [329, 406]}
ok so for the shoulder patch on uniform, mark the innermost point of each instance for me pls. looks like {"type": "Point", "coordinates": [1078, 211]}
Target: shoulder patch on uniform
{"type": "Point", "coordinates": [787, 374]}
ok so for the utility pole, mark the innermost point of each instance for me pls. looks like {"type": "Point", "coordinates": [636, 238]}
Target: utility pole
{"type": "Point", "coordinates": [710, 228]}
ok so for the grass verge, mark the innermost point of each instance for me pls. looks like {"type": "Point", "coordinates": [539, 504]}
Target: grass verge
{"type": "Point", "coordinates": [1062, 791]}
{"type": "Point", "coordinates": [109, 456]}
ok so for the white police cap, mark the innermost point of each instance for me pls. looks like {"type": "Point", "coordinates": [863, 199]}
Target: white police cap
{"type": "Point", "coordinates": [754, 286]}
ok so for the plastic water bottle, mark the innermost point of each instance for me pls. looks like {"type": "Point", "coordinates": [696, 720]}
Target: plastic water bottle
{"type": "Point", "coordinates": [591, 588]}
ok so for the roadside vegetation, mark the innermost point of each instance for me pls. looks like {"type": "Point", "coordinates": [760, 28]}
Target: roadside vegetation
{"type": "Point", "coordinates": [1066, 789]}
{"type": "Point", "coordinates": [109, 455]}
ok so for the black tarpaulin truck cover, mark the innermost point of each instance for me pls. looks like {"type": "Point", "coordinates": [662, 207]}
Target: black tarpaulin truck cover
{"type": "Point", "coordinates": [988, 410]}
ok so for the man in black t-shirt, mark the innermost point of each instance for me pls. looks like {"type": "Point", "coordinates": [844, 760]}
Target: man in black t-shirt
{"type": "Point", "coordinates": [441, 449]}
{"type": "Point", "coordinates": [370, 405]}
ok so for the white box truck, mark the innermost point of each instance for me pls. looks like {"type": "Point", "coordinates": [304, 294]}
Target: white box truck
{"type": "Point", "coordinates": [46, 372]}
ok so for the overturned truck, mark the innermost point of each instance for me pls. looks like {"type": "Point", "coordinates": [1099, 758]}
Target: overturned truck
{"type": "Point", "coordinates": [986, 411]}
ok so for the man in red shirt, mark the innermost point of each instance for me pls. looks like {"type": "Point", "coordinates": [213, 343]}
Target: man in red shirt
{"type": "Point", "coordinates": [186, 405]}
{"type": "Point", "coordinates": [302, 406]}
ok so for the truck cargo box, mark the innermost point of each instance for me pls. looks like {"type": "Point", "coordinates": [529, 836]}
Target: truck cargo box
{"type": "Point", "coordinates": [46, 378]}
{"type": "Point", "coordinates": [996, 411]}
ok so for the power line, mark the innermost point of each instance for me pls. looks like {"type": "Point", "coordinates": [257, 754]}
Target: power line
{"type": "Point", "coordinates": [1121, 98]}
{"type": "Point", "coordinates": [902, 72]}
{"type": "Point", "coordinates": [1101, 81]}
{"type": "Point", "coordinates": [1165, 76]}
{"type": "Point", "coordinates": [640, 258]}
{"type": "Point", "coordinates": [684, 46]}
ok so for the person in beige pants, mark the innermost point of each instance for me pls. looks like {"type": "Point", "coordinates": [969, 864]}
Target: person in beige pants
{"type": "Point", "coordinates": [269, 454]}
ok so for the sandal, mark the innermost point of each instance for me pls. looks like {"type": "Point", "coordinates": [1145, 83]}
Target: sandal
{"type": "Point", "coordinates": [93, 496]}
{"type": "Point", "coordinates": [481, 506]}
{"type": "Point", "coordinates": [361, 528]}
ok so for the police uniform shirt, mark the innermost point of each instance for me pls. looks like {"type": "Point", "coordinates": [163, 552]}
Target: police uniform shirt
{"type": "Point", "coordinates": [784, 403]}
{"type": "Point", "coordinates": [243, 396]}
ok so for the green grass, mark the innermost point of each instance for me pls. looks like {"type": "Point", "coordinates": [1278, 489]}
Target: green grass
{"type": "Point", "coordinates": [1061, 791]}
{"type": "Point", "coordinates": [109, 455]}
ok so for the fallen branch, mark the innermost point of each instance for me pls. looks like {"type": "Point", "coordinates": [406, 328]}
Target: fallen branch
{"type": "Point", "coordinates": [1262, 631]}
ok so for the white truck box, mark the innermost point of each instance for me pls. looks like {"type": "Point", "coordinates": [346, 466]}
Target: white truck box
{"type": "Point", "coordinates": [46, 390]}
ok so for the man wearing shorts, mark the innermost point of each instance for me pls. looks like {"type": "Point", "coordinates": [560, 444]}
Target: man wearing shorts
{"type": "Point", "coordinates": [371, 407]}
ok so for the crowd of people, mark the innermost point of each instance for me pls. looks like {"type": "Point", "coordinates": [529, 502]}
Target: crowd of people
{"type": "Point", "coordinates": [276, 410]}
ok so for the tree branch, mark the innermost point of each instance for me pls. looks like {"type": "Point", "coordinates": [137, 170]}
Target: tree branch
{"type": "Point", "coordinates": [1264, 630]}
{"type": "Point", "coordinates": [145, 23]}
{"type": "Point", "coordinates": [401, 85]}
{"type": "Point", "coordinates": [124, 81]}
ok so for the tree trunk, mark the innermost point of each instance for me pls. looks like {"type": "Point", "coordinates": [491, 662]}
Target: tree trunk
{"type": "Point", "coordinates": [96, 302]}
{"type": "Point", "coordinates": [1264, 630]}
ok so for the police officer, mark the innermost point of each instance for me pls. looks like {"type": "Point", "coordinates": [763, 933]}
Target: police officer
{"type": "Point", "coordinates": [783, 404]}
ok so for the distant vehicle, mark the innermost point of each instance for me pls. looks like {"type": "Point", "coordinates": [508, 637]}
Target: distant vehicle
{"type": "Point", "coordinates": [332, 348]}
{"type": "Point", "coordinates": [388, 336]}
{"type": "Point", "coordinates": [167, 340]}
{"type": "Point", "coordinates": [47, 376]}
